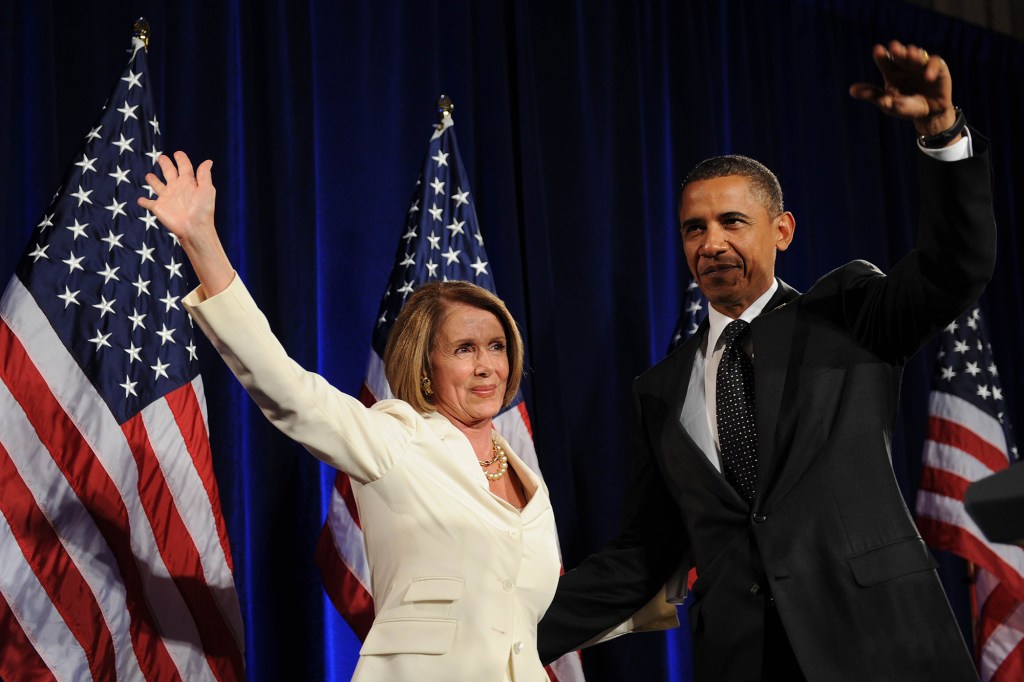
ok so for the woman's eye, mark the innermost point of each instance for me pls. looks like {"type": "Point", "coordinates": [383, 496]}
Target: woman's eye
{"type": "Point", "coordinates": [498, 347]}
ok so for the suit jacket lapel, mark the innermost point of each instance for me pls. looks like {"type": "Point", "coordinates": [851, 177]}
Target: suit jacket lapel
{"type": "Point", "coordinates": [772, 333]}
{"type": "Point", "coordinates": [677, 384]}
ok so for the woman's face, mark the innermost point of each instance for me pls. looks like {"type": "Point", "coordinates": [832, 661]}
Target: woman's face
{"type": "Point", "coordinates": [469, 365]}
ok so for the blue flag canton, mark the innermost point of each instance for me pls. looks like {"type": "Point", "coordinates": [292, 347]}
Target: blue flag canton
{"type": "Point", "coordinates": [107, 276]}
{"type": "Point", "coordinates": [442, 239]}
{"type": "Point", "coordinates": [964, 367]}
{"type": "Point", "coordinates": [693, 312]}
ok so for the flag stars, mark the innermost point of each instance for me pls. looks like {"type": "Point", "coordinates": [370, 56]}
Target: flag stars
{"type": "Point", "coordinates": [138, 319]}
{"type": "Point", "coordinates": [960, 347]}
{"type": "Point", "coordinates": [156, 125]}
{"type": "Point", "coordinates": [165, 334]}
{"type": "Point", "coordinates": [73, 262]}
{"type": "Point", "coordinates": [435, 241]}
{"type": "Point", "coordinates": [170, 302]}
{"type": "Point", "coordinates": [39, 252]}
{"type": "Point", "coordinates": [438, 186]}
{"type": "Point", "coordinates": [113, 240]}
{"type": "Point", "coordinates": [997, 393]}
{"type": "Point", "coordinates": [69, 297]}
{"type": "Point", "coordinates": [174, 268]}
{"type": "Point", "coordinates": [129, 386]}
{"type": "Point", "coordinates": [149, 219]}
{"type": "Point", "coordinates": [146, 253]}
{"type": "Point", "coordinates": [160, 369]}
{"type": "Point", "coordinates": [108, 273]}
{"type": "Point", "coordinates": [415, 208]}
{"type": "Point", "coordinates": [983, 392]}
{"type": "Point", "coordinates": [411, 234]}
{"type": "Point", "coordinates": [953, 326]}
{"type": "Point", "coordinates": [82, 195]}
{"type": "Point", "coordinates": [105, 306]}
{"type": "Point", "coordinates": [992, 369]}
{"type": "Point", "coordinates": [153, 154]}
{"type": "Point", "coordinates": [87, 164]}
{"type": "Point", "coordinates": [120, 176]}
{"type": "Point", "coordinates": [461, 198]}
{"type": "Point", "coordinates": [382, 319]}
{"type": "Point", "coordinates": [431, 269]}
{"type": "Point", "coordinates": [191, 348]}
{"type": "Point", "coordinates": [456, 227]}
{"type": "Point", "coordinates": [100, 340]}
{"type": "Point", "coordinates": [46, 222]}
{"type": "Point", "coordinates": [128, 112]}
{"type": "Point", "coordinates": [441, 158]}
{"type": "Point", "coordinates": [94, 134]}
{"type": "Point", "coordinates": [972, 368]}
{"type": "Point", "coordinates": [134, 353]}
{"type": "Point", "coordinates": [409, 260]}
{"type": "Point", "coordinates": [479, 238]}
{"type": "Point", "coordinates": [948, 373]}
{"type": "Point", "coordinates": [451, 255]}
{"type": "Point", "coordinates": [406, 289]}
{"type": "Point", "coordinates": [124, 145]}
{"type": "Point", "coordinates": [78, 229]}
{"type": "Point", "coordinates": [141, 286]}
{"type": "Point", "coordinates": [116, 208]}
{"type": "Point", "coordinates": [435, 212]}
{"type": "Point", "coordinates": [133, 79]}
{"type": "Point", "coordinates": [479, 266]}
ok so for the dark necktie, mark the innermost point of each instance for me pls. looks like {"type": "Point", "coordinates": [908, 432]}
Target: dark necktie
{"type": "Point", "coordinates": [734, 405]}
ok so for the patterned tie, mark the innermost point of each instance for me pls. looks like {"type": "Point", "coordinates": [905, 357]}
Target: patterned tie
{"type": "Point", "coordinates": [734, 404]}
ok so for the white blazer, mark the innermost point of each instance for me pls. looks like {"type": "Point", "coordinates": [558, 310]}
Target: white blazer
{"type": "Point", "coordinates": [460, 578]}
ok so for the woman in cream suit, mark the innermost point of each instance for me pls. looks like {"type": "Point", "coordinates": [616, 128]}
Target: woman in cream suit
{"type": "Point", "coordinates": [459, 533]}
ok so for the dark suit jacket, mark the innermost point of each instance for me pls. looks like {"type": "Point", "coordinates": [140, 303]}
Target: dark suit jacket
{"type": "Point", "coordinates": [828, 537]}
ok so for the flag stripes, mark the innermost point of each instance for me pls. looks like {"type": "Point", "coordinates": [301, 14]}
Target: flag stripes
{"type": "Point", "coordinates": [62, 455]}
{"type": "Point", "coordinates": [967, 440]}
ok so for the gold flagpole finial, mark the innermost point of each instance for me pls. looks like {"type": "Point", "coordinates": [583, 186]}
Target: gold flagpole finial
{"type": "Point", "coordinates": [444, 108]}
{"type": "Point", "coordinates": [140, 29]}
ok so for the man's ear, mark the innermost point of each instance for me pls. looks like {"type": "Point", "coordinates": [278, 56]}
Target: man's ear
{"type": "Point", "coordinates": [785, 226]}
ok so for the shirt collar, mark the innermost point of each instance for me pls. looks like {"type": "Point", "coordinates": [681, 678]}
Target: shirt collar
{"type": "Point", "coordinates": [718, 321]}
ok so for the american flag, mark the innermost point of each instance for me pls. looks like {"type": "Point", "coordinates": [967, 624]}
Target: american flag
{"type": "Point", "coordinates": [116, 563]}
{"type": "Point", "coordinates": [692, 313]}
{"type": "Point", "coordinates": [441, 241]}
{"type": "Point", "coordinates": [969, 439]}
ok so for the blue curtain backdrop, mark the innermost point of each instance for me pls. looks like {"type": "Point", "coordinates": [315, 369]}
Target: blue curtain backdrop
{"type": "Point", "coordinates": [577, 120]}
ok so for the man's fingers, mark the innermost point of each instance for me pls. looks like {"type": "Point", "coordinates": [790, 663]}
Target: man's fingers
{"type": "Point", "coordinates": [184, 165]}
{"type": "Point", "coordinates": [866, 91]}
{"type": "Point", "coordinates": [146, 203]}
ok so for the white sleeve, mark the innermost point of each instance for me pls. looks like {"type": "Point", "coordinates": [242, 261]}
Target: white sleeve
{"type": "Point", "coordinates": [961, 149]}
{"type": "Point", "coordinates": [336, 428]}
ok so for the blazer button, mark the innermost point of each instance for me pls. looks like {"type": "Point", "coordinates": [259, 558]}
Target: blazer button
{"type": "Point", "coordinates": [517, 648]}
{"type": "Point", "coordinates": [508, 586]}
{"type": "Point", "coordinates": [760, 518]}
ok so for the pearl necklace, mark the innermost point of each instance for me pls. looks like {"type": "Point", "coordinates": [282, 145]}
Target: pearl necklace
{"type": "Point", "coordinates": [500, 458]}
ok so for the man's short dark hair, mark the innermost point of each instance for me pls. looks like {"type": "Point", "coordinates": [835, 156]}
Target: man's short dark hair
{"type": "Point", "coordinates": [763, 183]}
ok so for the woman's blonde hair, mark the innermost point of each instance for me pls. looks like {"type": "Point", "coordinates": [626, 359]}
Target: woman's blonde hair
{"type": "Point", "coordinates": [407, 353]}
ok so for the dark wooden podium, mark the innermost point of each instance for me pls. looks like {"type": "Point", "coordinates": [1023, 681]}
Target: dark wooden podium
{"type": "Point", "coordinates": [996, 503]}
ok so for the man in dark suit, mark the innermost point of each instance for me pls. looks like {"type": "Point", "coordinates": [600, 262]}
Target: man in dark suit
{"type": "Point", "coordinates": [762, 447]}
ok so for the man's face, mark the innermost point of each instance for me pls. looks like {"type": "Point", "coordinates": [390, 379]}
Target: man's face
{"type": "Point", "coordinates": [730, 241]}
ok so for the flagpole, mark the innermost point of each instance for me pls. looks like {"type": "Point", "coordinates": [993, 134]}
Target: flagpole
{"type": "Point", "coordinates": [445, 106]}
{"type": "Point", "coordinates": [140, 29]}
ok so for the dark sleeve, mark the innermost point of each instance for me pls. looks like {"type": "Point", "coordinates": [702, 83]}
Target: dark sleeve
{"type": "Point", "coordinates": [611, 585]}
{"type": "Point", "coordinates": [953, 260]}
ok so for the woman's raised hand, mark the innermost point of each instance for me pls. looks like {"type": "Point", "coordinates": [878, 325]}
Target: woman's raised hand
{"type": "Point", "coordinates": [185, 206]}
